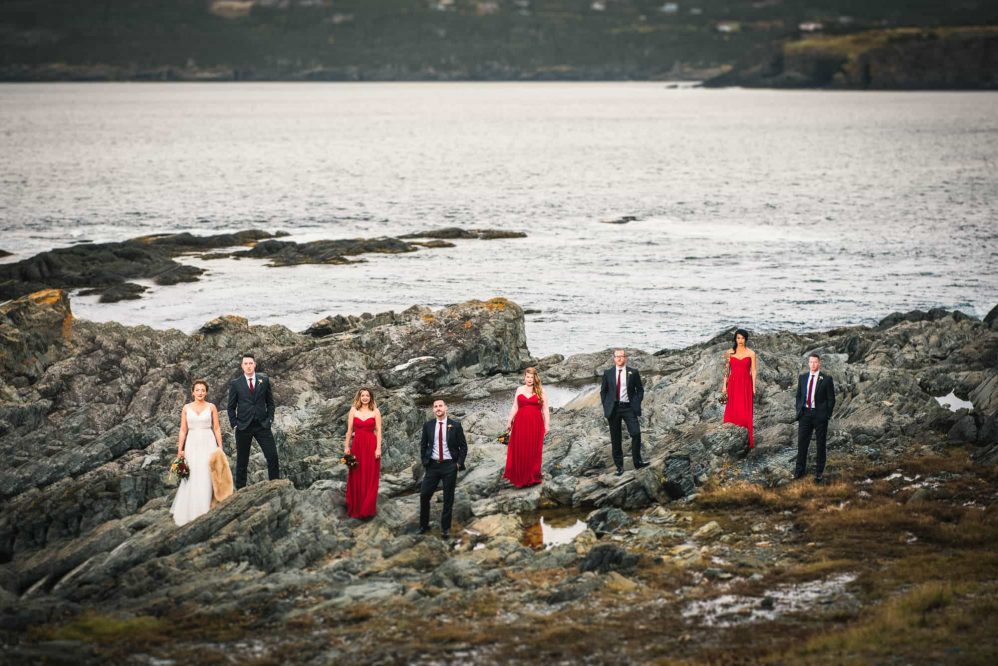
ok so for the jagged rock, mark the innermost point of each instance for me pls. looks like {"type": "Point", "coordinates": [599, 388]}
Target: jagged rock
{"type": "Point", "coordinates": [607, 520]}
{"type": "Point", "coordinates": [573, 589]}
{"type": "Point", "coordinates": [464, 572]}
{"type": "Point", "coordinates": [331, 325]}
{"type": "Point", "coordinates": [90, 429]}
{"type": "Point", "coordinates": [617, 583]}
{"type": "Point", "coordinates": [127, 291]}
{"type": "Point", "coordinates": [454, 233]}
{"type": "Point", "coordinates": [608, 557]}
{"type": "Point", "coordinates": [287, 253]}
{"type": "Point", "coordinates": [497, 525]}
{"type": "Point", "coordinates": [964, 430]}
{"type": "Point", "coordinates": [707, 532]}
{"type": "Point", "coordinates": [985, 396]}
{"type": "Point", "coordinates": [679, 478]}
{"type": "Point", "coordinates": [106, 265]}
{"type": "Point", "coordinates": [34, 332]}
{"type": "Point", "coordinates": [412, 371]}
{"type": "Point", "coordinates": [991, 318]}
{"type": "Point", "coordinates": [226, 323]}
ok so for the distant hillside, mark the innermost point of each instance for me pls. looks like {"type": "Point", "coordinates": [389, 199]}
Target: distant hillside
{"type": "Point", "coordinates": [428, 39]}
{"type": "Point", "coordinates": [899, 59]}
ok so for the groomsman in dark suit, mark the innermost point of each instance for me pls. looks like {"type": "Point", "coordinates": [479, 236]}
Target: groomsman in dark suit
{"type": "Point", "coordinates": [442, 451]}
{"type": "Point", "coordinates": [815, 402]}
{"type": "Point", "coordinates": [251, 413]}
{"type": "Point", "coordinates": [621, 393]}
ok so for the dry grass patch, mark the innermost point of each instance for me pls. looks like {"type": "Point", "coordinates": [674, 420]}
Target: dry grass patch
{"type": "Point", "coordinates": [793, 496]}
{"type": "Point", "coordinates": [99, 629]}
{"type": "Point", "coordinates": [932, 622]}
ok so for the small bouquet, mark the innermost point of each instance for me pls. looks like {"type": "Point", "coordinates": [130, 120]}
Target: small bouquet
{"type": "Point", "coordinates": [350, 460]}
{"type": "Point", "coordinates": [503, 438]}
{"type": "Point", "coordinates": [179, 468]}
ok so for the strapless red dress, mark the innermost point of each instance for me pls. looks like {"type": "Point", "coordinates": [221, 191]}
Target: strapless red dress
{"type": "Point", "coordinates": [362, 480]}
{"type": "Point", "coordinates": [739, 407]}
{"type": "Point", "coordinates": [526, 441]}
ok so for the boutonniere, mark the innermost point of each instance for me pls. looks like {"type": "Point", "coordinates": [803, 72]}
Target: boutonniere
{"type": "Point", "coordinates": [449, 426]}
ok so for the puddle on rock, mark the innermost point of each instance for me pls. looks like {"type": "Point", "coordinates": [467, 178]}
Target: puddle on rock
{"type": "Point", "coordinates": [730, 609]}
{"type": "Point", "coordinates": [552, 529]}
{"type": "Point", "coordinates": [953, 403]}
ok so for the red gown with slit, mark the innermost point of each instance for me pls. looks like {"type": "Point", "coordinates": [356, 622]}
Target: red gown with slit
{"type": "Point", "coordinates": [362, 480]}
{"type": "Point", "coordinates": [526, 441]}
{"type": "Point", "coordinates": [738, 410]}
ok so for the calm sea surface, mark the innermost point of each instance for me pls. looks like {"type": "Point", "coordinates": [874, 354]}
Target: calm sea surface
{"type": "Point", "coordinates": [765, 209]}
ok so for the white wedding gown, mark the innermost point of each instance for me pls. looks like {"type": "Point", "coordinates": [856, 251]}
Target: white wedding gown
{"type": "Point", "coordinates": [195, 492]}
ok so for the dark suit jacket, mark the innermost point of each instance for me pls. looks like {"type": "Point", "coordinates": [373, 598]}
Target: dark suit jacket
{"type": "Point", "coordinates": [455, 442]}
{"type": "Point", "coordinates": [824, 395]}
{"type": "Point", "coordinates": [244, 407]}
{"type": "Point", "coordinates": [608, 390]}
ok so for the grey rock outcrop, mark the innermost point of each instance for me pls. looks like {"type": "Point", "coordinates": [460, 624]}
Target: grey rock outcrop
{"type": "Point", "coordinates": [89, 418]}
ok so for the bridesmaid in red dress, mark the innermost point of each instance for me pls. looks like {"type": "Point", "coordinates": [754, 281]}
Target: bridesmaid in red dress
{"type": "Point", "coordinates": [528, 421]}
{"type": "Point", "coordinates": [739, 384]}
{"type": "Point", "coordinates": [364, 442]}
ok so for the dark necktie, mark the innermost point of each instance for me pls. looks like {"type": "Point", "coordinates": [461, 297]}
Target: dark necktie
{"type": "Point", "coordinates": [251, 385]}
{"type": "Point", "coordinates": [810, 396]}
{"type": "Point", "coordinates": [440, 441]}
{"type": "Point", "coordinates": [620, 388]}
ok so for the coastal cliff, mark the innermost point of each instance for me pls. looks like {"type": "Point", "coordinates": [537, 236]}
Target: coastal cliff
{"type": "Point", "coordinates": [92, 566]}
{"type": "Point", "coordinates": [898, 59]}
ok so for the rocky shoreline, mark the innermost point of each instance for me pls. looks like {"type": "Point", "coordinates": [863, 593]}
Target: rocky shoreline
{"type": "Point", "coordinates": [704, 550]}
{"type": "Point", "coordinates": [108, 269]}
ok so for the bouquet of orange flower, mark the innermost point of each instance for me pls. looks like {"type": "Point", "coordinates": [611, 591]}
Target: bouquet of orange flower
{"type": "Point", "coordinates": [503, 438]}
{"type": "Point", "coordinates": [179, 468]}
{"type": "Point", "coordinates": [350, 460]}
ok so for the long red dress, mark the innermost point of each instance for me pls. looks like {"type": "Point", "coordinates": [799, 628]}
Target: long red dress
{"type": "Point", "coordinates": [362, 480]}
{"type": "Point", "coordinates": [526, 440]}
{"type": "Point", "coordinates": [739, 407]}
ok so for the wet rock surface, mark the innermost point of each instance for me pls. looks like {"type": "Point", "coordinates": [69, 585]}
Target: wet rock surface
{"type": "Point", "coordinates": [88, 425]}
{"type": "Point", "coordinates": [108, 269]}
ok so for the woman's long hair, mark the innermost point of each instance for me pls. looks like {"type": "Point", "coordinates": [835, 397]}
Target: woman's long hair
{"type": "Point", "coordinates": [373, 405]}
{"type": "Point", "coordinates": [538, 391]}
{"type": "Point", "coordinates": [734, 339]}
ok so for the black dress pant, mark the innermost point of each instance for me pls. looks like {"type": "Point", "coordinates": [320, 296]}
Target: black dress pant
{"type": "Point", "coordinates": [266, 440]}
{"type": "Point", "coordinates": [809, 424]}
{"type": "Point", "coordinates": [622, 413]}
{"type": "Point", "coordinates": [436, 472]}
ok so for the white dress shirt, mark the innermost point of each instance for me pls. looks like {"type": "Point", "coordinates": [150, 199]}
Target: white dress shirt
{"type": "Point", "coordinates": [623, 383]}
{"type": "Point", "coordinates": [441, 425]}
{"type": "Point", "coordinates": [255, 383]}
{"type": "Point", "coordinates": [809, 401]}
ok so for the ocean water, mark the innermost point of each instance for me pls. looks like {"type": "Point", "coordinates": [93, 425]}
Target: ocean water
{"type": "Point", "coordinates": [795, 210]}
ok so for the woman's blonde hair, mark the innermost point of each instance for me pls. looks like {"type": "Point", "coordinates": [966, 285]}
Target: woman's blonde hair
{"type": "Point", "coordinates": [356, 398]}
{"type": "Point", "coordinates": [538, 391]}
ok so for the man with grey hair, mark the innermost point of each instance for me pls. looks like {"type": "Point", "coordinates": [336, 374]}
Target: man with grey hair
{"type": "Point", "coordinates": [620, 394]}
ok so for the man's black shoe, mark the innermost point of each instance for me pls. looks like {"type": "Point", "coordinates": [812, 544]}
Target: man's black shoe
{"type": "Point", "coordinates": [641, 465]}
{"type": "Point", "coordinates": [620, 471]}
{"type": "Point", "coordinates": [445, 535]}
{"type": "Point", "coordinates": [424, 530]}
{"type": "Point", "coordinates": [819, 479]}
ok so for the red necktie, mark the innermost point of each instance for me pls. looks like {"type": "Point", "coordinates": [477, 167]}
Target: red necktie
{"type": "Point", "coordinates": [440, 442]}
{"type": "Point", "coordinates": [620, 389]}
{"type": "Point", "coordinates": [810, 396]}
{"type": "Point", "coordinates": [251, 384]}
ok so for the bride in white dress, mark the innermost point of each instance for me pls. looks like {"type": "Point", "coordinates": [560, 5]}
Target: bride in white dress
{"type": "Point", "coordinates": [200, 433]}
